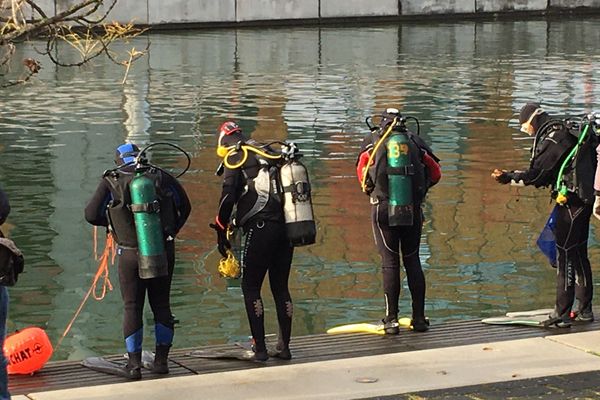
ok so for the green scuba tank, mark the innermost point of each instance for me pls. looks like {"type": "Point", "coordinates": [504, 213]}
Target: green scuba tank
{"type": "Point", "coordinates": [400, 207]}
{"type": "Point", "coordinates": [152, 258]}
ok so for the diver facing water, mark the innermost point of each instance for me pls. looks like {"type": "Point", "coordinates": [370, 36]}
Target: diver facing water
{"type": "Point", "coordinates": [396, 168]}
{"type": "Point", "coordinates": [144, 266]}
{"type": "Point", "coordinates": [563, 158]}
{"type": "Point", "coordinates": [252, 183]}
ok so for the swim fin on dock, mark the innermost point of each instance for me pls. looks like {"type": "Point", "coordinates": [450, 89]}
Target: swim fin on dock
{"type": "Point", "coordinates": [101, 364]}
{"type": "Point", "coordinates": [271, 350]}
{"type": "Point", "coordinates": [541, 311]}
{"type": "Point", "coordinates": [235, 353]}
{"type": "Point", "coordinates": [539, 318]}
{"type": "Point", "coordinates": [532, 320]}
{"type": "Point", "coordinates": [365, 327]}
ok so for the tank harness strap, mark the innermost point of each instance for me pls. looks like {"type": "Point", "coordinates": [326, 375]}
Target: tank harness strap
{"type": "Point", "coordinates": [300, 191]}
{"type": "Point", "coordinates": [153, 207]}
{"type": "Point", "coordinates": [403, 170]}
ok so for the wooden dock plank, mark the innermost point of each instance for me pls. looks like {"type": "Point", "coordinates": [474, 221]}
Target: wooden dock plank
{"type": "Point", "coordinates": [322, 347]}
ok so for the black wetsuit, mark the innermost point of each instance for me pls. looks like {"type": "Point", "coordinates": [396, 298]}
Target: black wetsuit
{"type": "Point", "coordinates": [574, 273]}
{"type": "Point", "coordinates": [394, 242]}
{"type": "Point", "coordinates": [133, 288]}
{"type": "Point", "coordinates": [266, 248]}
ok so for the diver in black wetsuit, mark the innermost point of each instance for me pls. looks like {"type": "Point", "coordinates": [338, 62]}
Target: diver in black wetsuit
{"type": "Point", "coordinates": [253, 189]}
{"type": "Point", "coordinates": [404, 240]}
{"type": "Point", "coordinates": [553, 142]}
{"type": "Point", "coordinates": [110, 207]}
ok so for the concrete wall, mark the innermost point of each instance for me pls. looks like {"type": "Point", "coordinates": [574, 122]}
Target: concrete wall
{"type": "Point", "coordinates": [575, 3]}
{"type": "Point", "coordinates": [207, 12]}
{"type": "Point", "coordinates": [337, 8]}
{"type": "Point", "coordinates": [512, 5]}
{"type": "Point", "coordinates": [421, 7]}
{"type": "Point", "coordinates": [186, 11]}
{"type": "Point", "coordinates": [259, 10]}
{"type": "Point", "coordinates": [123, 11]}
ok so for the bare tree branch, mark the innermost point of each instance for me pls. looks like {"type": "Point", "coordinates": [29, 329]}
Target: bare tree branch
{"type": "Point", "coordinates": [102, 18]}
{"type": "Point", "coordinates": [42, 24]}
{"type": "Point", "coordinates": [37, 8]}
{"type": "Point", "coordinates": [79, 26]}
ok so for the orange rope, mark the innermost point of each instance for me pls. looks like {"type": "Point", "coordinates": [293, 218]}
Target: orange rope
{"type": "Point", "coordinates": [95, 243]}
{"type": "Point", "coordinates": [101, 273]}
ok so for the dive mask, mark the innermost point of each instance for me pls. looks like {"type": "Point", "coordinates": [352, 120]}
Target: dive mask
{"type": "Point", "coordinates": [526, 126]}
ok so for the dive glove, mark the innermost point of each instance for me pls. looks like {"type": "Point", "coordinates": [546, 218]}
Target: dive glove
{"type": "Point", "coordinates": [597, 207]}
{"type": "Point", "coordinates": [501, 176]}
{"type": "Point", "coordinates": [222, 242]}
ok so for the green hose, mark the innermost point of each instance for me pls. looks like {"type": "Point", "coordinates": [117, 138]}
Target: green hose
{"type": "Point", "coordinates": [561, 187]}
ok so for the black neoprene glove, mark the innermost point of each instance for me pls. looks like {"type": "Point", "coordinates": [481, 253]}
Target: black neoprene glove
{"type": "Point", "coordinates": [222, 243]}
{"type": "Point", "coordinates": [504, 178]}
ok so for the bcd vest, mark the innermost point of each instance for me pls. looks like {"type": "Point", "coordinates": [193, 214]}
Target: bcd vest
{"type": "Point", "coordinates": [120, 216]}
{"type": "Point", "coordinates": [262, 191]}
{"type": "Point", "coordinates": [553, 145]}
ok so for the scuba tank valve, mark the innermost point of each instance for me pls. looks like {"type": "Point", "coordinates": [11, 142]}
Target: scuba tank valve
{"type": "Point", "coordinates": [400, 206]}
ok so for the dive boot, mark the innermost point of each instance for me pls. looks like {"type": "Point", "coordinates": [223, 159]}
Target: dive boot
{"type": "Point", "coordinates": [260, 352]}
{"type": "Point", "coordinates": [582, 317]}
{"type": "Point", "coordinates": [420, 324]}
{"type": "Point", "coordinates": [560, 321]}
{"type": "Point", "coordinates": [391, 326]}
{"type": "Point", "coordinates": [282, 352]}
{"type": "Point", "coordinates": [161, 359]}
{"type": "Point", "coordinates": [133, 369]}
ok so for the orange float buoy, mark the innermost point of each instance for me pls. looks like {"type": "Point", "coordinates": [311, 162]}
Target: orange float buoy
{"type": "Point", "coordinates": [27, 350]}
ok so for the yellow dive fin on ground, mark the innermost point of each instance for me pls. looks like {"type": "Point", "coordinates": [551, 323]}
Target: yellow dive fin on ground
{"type": "Point", "coordinates": [365, 327]}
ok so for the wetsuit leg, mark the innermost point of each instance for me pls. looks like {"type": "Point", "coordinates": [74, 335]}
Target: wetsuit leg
{"type": "Point", "coordinates": [410, 241]}
{"type": "Point", "coordinates": [133, 291]}
{"type": "Point", "coordinates": [279, 273]}
{"type": "Point", "coordinates": [257, 248]}
{"type": "Point", "coordinates": [387, 240]}
{"type": "Point", "coordinates": [584, 284]}
{"type": "Point", "coordinates": [573, 271]}
{"type": "Point", "coordinates": [159, 298]}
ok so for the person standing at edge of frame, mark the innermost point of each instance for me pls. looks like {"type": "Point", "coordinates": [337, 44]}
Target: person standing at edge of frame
{"type": "Point", "coordinates": [554, 163]}
{"type": "Point", "coordinates": [396, 168]}
{"type": "Point", "coordinates": [4, 394]}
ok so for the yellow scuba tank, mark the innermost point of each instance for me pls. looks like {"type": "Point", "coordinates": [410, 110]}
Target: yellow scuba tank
{"type": "Point", "coordinates": [297, 200]}
{"type": "Point", "coordinates": [400, 206]}
{"type": "Point", "coordinates": [145, 206]}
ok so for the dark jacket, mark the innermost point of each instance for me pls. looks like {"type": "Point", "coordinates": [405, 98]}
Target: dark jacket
{"type": "Point", "coordinates": [4, 207]}
{"type": "Point", "coordinates": [551, 146]}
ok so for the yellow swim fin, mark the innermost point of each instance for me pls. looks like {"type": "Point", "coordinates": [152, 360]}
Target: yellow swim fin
{"type": "Point", "coordinates": [365, 327]}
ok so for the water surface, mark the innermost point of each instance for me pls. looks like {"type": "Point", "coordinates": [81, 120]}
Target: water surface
{"type": "Point", "coordinates": [315, 86]}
